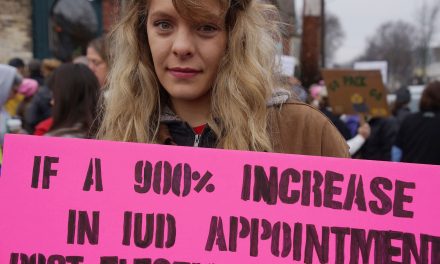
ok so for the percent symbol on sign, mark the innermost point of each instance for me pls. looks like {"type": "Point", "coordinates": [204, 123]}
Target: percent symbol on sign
{"type": "Point", "coordinates": [203, 182]}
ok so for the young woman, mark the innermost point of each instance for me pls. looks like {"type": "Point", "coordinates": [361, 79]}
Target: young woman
{"type": "Point", "coordinates": [75, 92]}
{"type": "Point", "coordinates": [203, 73]}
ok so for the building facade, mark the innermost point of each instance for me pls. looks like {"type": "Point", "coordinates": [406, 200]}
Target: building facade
{"type": "Point", "coordinates": [25, 28]}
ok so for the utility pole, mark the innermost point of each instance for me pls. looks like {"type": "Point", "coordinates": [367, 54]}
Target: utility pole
{"type": "Point", "coordinates": [311, 42]}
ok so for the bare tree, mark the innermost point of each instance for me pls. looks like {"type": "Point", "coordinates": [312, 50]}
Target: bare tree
{"type": "Point", "coordinates": [427, 27]}
{"type": "Point", "coordinates": [334, 36]}
{"type": "Point", "coordinates": [394, 43]}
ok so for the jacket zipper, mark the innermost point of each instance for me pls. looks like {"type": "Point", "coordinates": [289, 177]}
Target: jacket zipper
{"type": "Point", "coordinates": [197, 140]}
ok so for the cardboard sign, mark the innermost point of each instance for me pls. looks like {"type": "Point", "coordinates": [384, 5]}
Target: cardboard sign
{"type": "Point", "coordinates": [356, 92]}
{"type": "Point", "coordinates": [84, 201]}
{"type": "Point", "coordinates": [382, 66]}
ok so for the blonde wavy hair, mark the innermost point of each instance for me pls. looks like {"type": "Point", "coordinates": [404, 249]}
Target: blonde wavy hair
{"type": "Point", "coordinates": [244, 84]}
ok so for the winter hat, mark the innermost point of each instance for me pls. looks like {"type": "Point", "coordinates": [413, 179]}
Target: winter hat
{"type": "Point", "coordinates": [28, 87]}
{"type": "Point", "coordinates": [315, 91]}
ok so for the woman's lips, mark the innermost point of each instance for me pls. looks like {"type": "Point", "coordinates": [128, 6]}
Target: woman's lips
{"type": "Point", "coordinates": [183, 73]}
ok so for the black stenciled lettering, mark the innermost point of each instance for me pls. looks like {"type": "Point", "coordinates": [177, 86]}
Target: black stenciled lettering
{"type": "Point", "coordinates": [126, 238]}
{"type": "Point", "coordinates": [254, 237]}
{"type": "Point", "coordinates": [216, 235]}
{"type": "Point", "coordinates": [400, 198]}
{"type": "Point", "coordinates": [36, 172]}
{"type": "Point", "coordinates": [143, 241]}
{"type": "Point", "coordinates": [287, 239]}
{"type": "Point", "coordinates": [355, 194]}
{"type": "Point", "coordinates": [71, 227]}
{"type": "Point", "coordinates": [186, 179]}
{"type": "Point", "coordinates": [177, 179]}
{"type": "Point", "coordinates": [84, 228]}
{"type": "Point", "coordinates": [340, 233]}
{"type": "Point", "coordinates": [391, 251]}
{"type": "Point", "coordinates": [35, 258]}
{"type": "Point", "coordinates": [330, 189]}
{"type": "Point", "coordinates": [435, 251]}
{"type": "Point", "coordinates": [387, 204]}
{"type": "Point", "coordinates": [267, 230]}
{"type": "Point", "coordinates": [264, 187]}
{"type": "Point", "coordinates": [276, 230]}
{"type": "Point", "coordinates": [74, 259]}
{"type": "Point", "coordinates": [297, 241]}
{"type": "Point", "coordinates": [306, 188]}
{"type": "Point", "coordinates": [171, 231]}
{"type": "Point", "coordinates": [167, 171]}
{"type": "Point", "coordinates": [109, 260]}
{"type": "Point", "coordinates": [14, 258]}
{"type": "Point", "coordinates": [287, 176]}
{"type": "Point", "coordinates": [245, 228]}
{"type": "Point", "coordinates": [56, 259]}
{"type": "Point", "coordinates": [246, 187]}
{"type": "Point", "coordinates": [160, 230]}
{"type": "Point", "coordinates": [143, 173]}
{"type": "Point", "coordinates": [317, 177]}
{"type": "Point", "coordinates": [161, 261]}
{"type": "Point", "coordinates": [48, 171]}
{"type": "Point", "coordinates": [98, 175]}
{"type": "Point", "coordinates": [360, 243]}
{"type": "Point", "coordinates": [409, 248]}
{"type": "Point", "coordinates": [233, 233]}
{"type": "Point", "coordinates": [312, 241]}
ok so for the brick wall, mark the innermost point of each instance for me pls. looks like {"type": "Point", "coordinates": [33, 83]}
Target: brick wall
{"type": "Point", "coordinates": [15, 30]}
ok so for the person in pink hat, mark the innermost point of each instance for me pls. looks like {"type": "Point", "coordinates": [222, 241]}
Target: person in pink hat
{"type": "Point", "coordinates": [27, 89]}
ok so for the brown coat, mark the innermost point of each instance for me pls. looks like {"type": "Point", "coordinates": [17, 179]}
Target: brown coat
{"type": "Point", "coordinates": [294, 127]}
{"type": "Point", "coordinates": [298, 128]}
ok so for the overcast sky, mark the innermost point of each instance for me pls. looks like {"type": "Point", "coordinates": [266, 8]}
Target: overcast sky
{"type": "Point", "coordinates": [360, 19]}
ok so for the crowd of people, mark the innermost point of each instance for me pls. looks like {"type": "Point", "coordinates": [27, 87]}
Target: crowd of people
{"type": "Point", "coordinates": [203, 75]}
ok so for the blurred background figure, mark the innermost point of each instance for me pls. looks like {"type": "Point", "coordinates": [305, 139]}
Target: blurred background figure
{"type": "Point", "coordinates": [28, 88]}
{"type": "Point", "coordinates": [98, 59]}
{"type": "Point", "coordinates": [81, 59]}
{"type": "Point", "coordinates": [418, 139]}
{"type": "Point", "coordinates": [355, 140]}
{"type": "Point", "coordinates": [10, 80]}
{"type": "Point", "coordinates": [12, 103]}
{"type": "Point", "coordinates": [400, 107]}
{"type": "Point", "coordinates": [378, 146]}
{"type": "Point", "coordinates": [19, 65]}
{"type": "Point", "coordinates": [39, 108]}
{"type": "Point", "coordinates": [75, 98]}
{"type": "Point", "coordinates": [34, 67]}
{"type": "Point", "coordinates": [74, 24]}
{"type": "Point", "coordinates": [298, 90]}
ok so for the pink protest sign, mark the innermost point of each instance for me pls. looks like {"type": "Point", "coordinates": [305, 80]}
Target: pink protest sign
{"type": "Point", "coordinates": [85, 201]}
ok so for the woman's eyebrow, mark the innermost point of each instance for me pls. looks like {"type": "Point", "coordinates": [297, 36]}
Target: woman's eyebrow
{"type": "Point", "coordinates": [160, 14]}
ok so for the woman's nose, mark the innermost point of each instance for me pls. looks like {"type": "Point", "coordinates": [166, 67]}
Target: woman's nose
{"type": "Point", "coordinates": [183, 45]}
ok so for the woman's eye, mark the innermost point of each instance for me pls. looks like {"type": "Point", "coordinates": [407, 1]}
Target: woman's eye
{"type": "Point", "coordinates": [163, 25]}
{"type": "Point", "coordinates": [208, 29]}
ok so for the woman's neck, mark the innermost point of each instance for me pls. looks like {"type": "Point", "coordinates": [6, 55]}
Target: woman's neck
{"type": "Point", "coordinates": [195, 113]}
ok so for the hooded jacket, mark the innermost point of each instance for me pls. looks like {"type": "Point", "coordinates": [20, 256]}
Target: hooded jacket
{"type": "Point", "coordinates": [294, 128]}
{"type": "Point", "coordinates": [8, 77]}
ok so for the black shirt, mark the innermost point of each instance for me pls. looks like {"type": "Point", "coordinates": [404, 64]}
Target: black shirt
{"type": "Point", "coordinates": [419, 138]}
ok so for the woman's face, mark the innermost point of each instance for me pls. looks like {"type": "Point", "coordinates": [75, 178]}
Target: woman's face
{"type": "Point", "coordinates": [97, 65]}
{"type": "Point", "coordinates": [186, 55]}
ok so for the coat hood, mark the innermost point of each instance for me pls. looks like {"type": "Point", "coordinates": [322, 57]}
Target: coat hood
{"type": "Point", "coordinates": [8, 76]}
